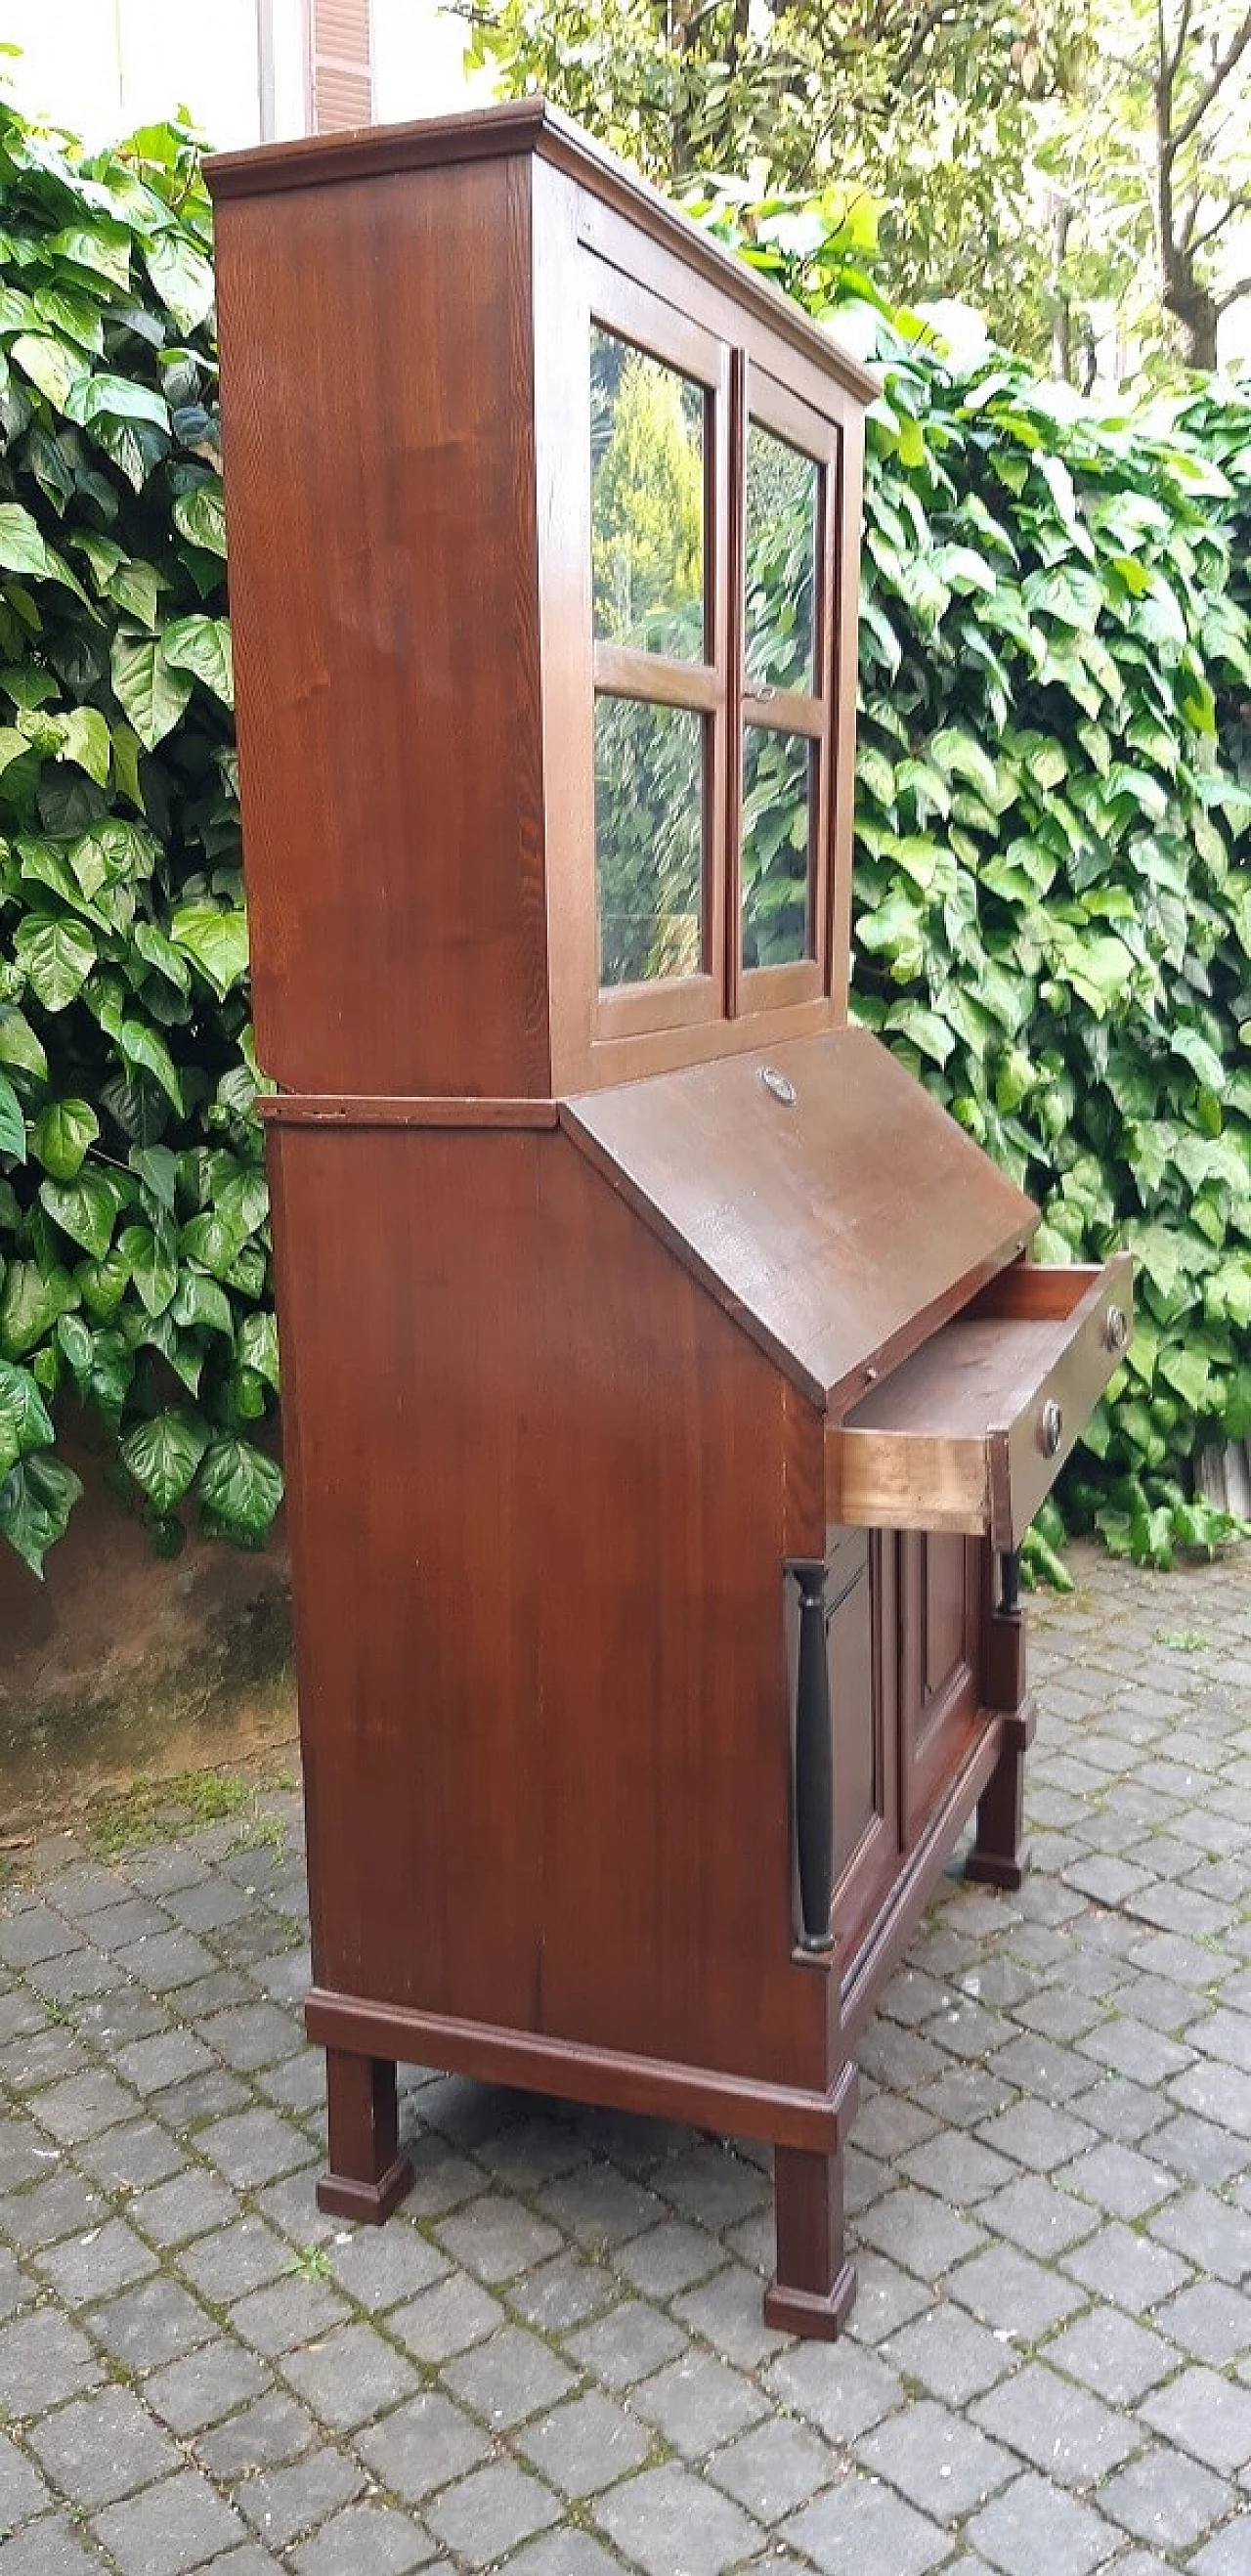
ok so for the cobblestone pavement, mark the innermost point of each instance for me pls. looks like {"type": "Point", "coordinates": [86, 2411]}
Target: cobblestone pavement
{"type": "Point", "coordinates": [552, 2359]}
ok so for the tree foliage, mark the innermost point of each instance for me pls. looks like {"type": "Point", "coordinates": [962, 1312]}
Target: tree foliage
{"type": "Point", "coordinates": [133, 1207]}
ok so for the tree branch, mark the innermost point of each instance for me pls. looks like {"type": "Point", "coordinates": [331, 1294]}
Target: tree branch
{"type": "Point", "coordinates": [1238, 205]}
{"type": "Point", "coordinates": [1233, 294]}
{"type": "Point", "coordinates": [1222, 67]}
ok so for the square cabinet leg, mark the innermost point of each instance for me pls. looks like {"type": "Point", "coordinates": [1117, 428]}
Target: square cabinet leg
{"type": "Point", "coordinates": [814, 2287]}
{"type": "Point", "coordinates": [365, 2175]}
{"type": "Point", "coordinates": [999, 1857]}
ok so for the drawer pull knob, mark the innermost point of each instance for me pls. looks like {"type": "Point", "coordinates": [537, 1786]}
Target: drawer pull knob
{"type": "Point", "coordinates": [1116, 1328]}
{"type": "Point", "coordinates": [1050, 1428]}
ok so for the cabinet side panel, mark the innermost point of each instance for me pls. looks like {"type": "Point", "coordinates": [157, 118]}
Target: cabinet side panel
{"type": "Point", "coordinates": [407, 1271]}
{"type": "Point", "coordinates": [378, 429]}
{"type": "Point", "coordinates": [537, 1509]}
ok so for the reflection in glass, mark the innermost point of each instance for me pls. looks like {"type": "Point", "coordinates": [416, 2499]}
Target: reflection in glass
{"type": "Point", "coordinates": [649, 840]}
{"type": "Point", "coordinates": [779, 802]}
{"type": "Point", "coordinates": [782, 515]}
{"type": "Point", "coordinates": [647, 501]}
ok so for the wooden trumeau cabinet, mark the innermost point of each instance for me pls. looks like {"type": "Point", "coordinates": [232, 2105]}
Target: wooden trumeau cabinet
{"type": "Point", "coordinates": [666, 1382]}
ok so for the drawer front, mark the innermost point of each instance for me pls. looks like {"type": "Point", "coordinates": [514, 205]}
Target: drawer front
{"type": "Point", "coordinates": [972, 1431]}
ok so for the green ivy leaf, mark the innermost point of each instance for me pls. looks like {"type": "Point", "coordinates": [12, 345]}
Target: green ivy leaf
{"type": "Point", "coordinates": [200, 516]}
{"type": "Point", "coordinates": [202, 645]}
{"type": "Point", "coordinates": [30, 1303]}
{"type": "Point", "coordinates": [12, 1123]}
{"type": "Point", "coordinates": [151, 691]}
{"type": "Point", "coordinates": [182, 277]}
{"type": "Point", "coordinates": [239, 1489]}
{"type": "Point", "coordinates": [22, 548]}
{"type": "Point", "coordinates": [216, 941]}
{"type": "Point", "coordinates": [152, 1263]}
{"type": "Point", "coordinates": [163, 1455]}
{"type": "Point", "coordinates": [85, 739]}
{"type": "Point", "coordinates": [121, 399]}
{"type": "Point", "coordinates": [61, 1135]}
{"type": "Point", "coordinates": [36, 1500]}
{"type": "Point", "coordinates": [85, 1209]}
{"type": "Point", "coordinates": [25, 1422]}
{"type": "Point", "coordinates": [57, 955]}
{"type": "Point", "coordinates": [258, 1347]}
{"type": "Point", "coordinates": [141, 1045]}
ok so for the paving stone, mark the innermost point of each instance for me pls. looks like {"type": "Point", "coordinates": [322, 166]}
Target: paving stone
{"type": "Point", "coordinates": [447, 2319]}
{"type": "Point", "coordinates": [265, 2435]}
{"type": "Point", "coordinates": [167, 1960]}
{"type": "Point", "coordinates": [83, 2106]}
{"type": "Point", "coordinates": [22, 2490]}
{"type": "Point", "coordinates": [669, 2523]}
{"type": "Point", "coordinates": [774, 2469]}
{"type": "Point", "coordinates": [586, 2445]}
{"type": "Point", "coordinates": [863, 2524]}
{"type": "Point", "coordinates": [155, 2323]}
{"type": "Point", "coordinates": [101, 2448]}
{"type": "Point", "coordinates": [726, 2312]}
{"type": "Point", "coordinates": [1118, 2180]}
{"type": "Point", "coordinates": [713, 2185]}
{"type": "Point", "coordinates": [1036, 2134]}
{"type": "Point", "coordinates": [1131, 2269]}
{"type": "Point", "coordinates": [190, 2394]}
{"type": "Point", "coordinates": [165, 2058]}
{"type": "Point", "coordinates": [950, 2355]}
{"type": "Point", "coordinates": [88, 2267]}
{"type": "Point", "coordinates": [511, 2376]}
{"type": "Point", "coordinates": [1208, 2415]}
{"type": "Point", "coordinates": [1013, 2294]}
{"type": "Point", "coordinates": [1216, 2092]}
{"type": "Point", "coordinates": [1209, 2233]}
{"type": "Point", "coordinates": [627, 2344]}
{"type": "Point", "coordinates": [1199, 2150]}
{"type": "Point", "coordinates": [1072, 2437]}
{"type": "Point", "coordinates": [49, 2548]}
{"type": "Point", "coordinates": [1117, 2358]}
{"type": "Point", "coordinates": [252, 2035]}
{"type": "Point", "coordinates": [842, 2402]}
{"type": "Point", "coordinates": [1228, 2552]}
{"type": "Point", "coordinates": [497, 2238]}
{"type": "Point", "coordinates": [130, 2157]}
{"type": "Point", "coordinates": [349, 2375]}
{"type": "Point", "coordinates": [421, 2446]}
{"type": "Point", "coordinates": [43, 2358]}
{"type": "Point", "coordinates": [380, 2266]}
{"type": "Point", "coordinates": [282, 2503]}
{"type": "Point", "coordinates": [957, 2168]}
{"type": "Point", "coordinates": [486, 2515]}
{"type": "Point", "coordinates": [364, 2540]}
{"type": "Point", "coordinates": [600, 2207]}
{"type": "Point", "coordinates": [1039, 2215]}
{"type": "Point", "coordinates": [1036, 2529]}
{"type": "Point", "coordinates": [1211, 2321]}
{"type": "Point", "coordinates": [287, 2315]}
{"type": "Point", "coordinates": [670, 2258]}
{"type": "Point", "coordinates": [561, 2553]}
{"type": "Point", "coordinates": [919, 2231]}
{"type": "Point", "coordinates": [938, 2460]}
{"type": "Point", "coordinates": [254, 2147]}
{"type": "Point", "coordinates": [170, 2528]}
{"type": "Point", "coordinates": [564, 2292]}
{"type": "Point", "coordinates": [697, 2403]}
{"type": "Point", "coordinates": [234, 2260]}
{"type": "Point", "coordinates": [1166, 2499]}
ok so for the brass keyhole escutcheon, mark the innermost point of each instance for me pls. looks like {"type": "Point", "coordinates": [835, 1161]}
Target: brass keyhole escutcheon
{"type": "Point", "coordinates": [1116, 1328]}
{"type": "Point", "coordinates": [1050, 1428]}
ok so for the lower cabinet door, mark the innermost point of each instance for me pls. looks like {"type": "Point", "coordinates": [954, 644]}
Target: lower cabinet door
{"type": "Point", "coordinates": [860, 1642]}
{"type": "Point", "coordinates": [940, 1583]}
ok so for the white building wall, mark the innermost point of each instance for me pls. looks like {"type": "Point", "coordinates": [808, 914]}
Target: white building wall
{"type": "Point", "coordinates": [101, 67]}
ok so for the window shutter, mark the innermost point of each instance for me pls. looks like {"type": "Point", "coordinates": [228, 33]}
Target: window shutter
{"type": "Point", "coordinates": [341, 65]}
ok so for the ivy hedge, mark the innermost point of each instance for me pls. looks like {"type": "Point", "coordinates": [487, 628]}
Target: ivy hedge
{"type": "Point", "coordinates": [133, 1206]}
{"type": "Point", "coordinates": [1052, 925]}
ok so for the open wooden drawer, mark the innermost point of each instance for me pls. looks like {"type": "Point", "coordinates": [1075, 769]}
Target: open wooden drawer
{"type": "Point", "coordinates": [970, 1433]}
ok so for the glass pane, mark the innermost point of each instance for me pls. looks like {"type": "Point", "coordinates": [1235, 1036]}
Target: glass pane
{"type": "Point", "coordinates": [782, 517]}
{"type": "Point", "coordinates": [649, 840]}
{"type": "Point", "coordinates": [779, 803]}
{"type": "Point", "coordinates": [647, 501]}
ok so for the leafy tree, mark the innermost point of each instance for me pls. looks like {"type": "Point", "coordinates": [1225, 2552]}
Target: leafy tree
{"type": "Point", "coordinates": [929, 110]}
